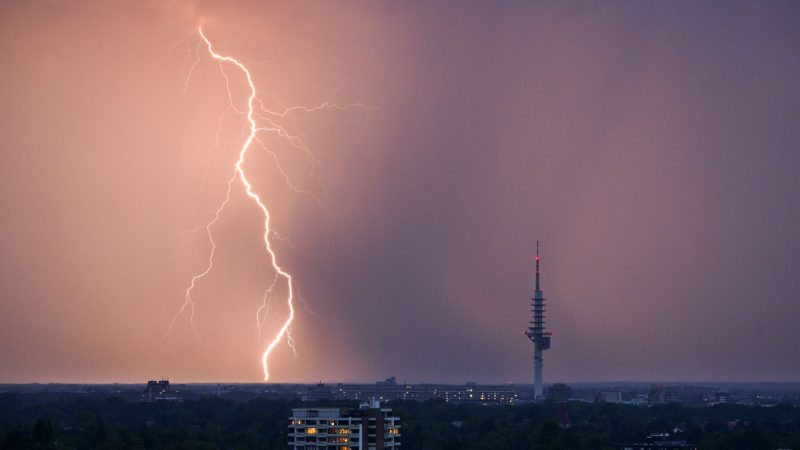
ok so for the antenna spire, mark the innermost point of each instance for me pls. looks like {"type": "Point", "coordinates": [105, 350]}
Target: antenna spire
{"type": "Point", "coordinates": [538, 286]}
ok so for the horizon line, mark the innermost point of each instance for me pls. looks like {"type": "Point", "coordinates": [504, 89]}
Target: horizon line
{"type": "Point", "coordinates": [507, 383]}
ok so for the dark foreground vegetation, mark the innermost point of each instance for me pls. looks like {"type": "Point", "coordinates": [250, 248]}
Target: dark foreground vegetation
{"type": "Point", "coordinates": [213, 423]}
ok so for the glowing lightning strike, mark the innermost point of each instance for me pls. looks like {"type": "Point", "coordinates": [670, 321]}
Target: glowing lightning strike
{"type": "Point", "coordinates": [187, 297]}
{"type": "Point", "coordinates": [256, 111]}
{"type": "Point", "coordinates": [280, 272]}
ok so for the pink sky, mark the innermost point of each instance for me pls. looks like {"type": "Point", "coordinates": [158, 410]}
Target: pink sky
{"type": "Point", "coordinates": [651, 147]}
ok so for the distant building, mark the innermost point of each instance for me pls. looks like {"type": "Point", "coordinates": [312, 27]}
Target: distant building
{"type": "Point", "coordinates": [638, 399]}
{"type": "Point", "coordinates": [610, 397]}
{"type": "Point", "coordinates": [659, 445]}
{"type": "Point", "coordinates": [476, 393]}
{"type": "Point", "coordinates": [368, 428]}
{"type": "Point", "coordinates": [158, 390]}
{"type": "Point", "coordinates": [318, 392]}
{"type": "Point", "coordinates": [721, 396]}
{"type": "Point", "coordinates": [660, 441]}
{"type": "Point", "coordinates": [559, 392]}
{"type": "Point", "coordinates": [660, 393]}
{"type": "Point", "coordinates": [668, 445]}
{"type": "Point", "coordinates": [391, 390]}
{"type": "Point", "coordinates": [382, 390]}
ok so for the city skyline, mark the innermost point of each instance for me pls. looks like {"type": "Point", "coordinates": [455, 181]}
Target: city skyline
{"type": "Point", "coordinates": [650, 147]}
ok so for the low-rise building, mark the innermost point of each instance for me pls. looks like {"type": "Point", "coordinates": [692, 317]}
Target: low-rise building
{"type": "Point", "coordinates": [559, 392]}
{"type": "Point", "coordinates": [659, 445]}
{"type": "Point", "coordinates": [159, 390]}
{"type": "Point", "coordinates": [464, 393]}
{"type": "Point", "coordinates": [319, 391]}
{"type": "Point", "coordinates": [660, 393]}
{"type": "Point", "coordinates": [610, 397]}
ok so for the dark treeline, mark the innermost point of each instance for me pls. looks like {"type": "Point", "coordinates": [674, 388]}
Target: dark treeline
{"type": "Point", "coordinates": [214, 423]}
{"type": "Point", "coordinates": [595, 426]}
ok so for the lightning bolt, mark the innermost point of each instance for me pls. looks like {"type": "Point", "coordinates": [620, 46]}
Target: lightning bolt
{"type": "Point", "coordinates": [255, 111]}
{"type": "Point", "coordinates": [188, 302]}
{"type": "Point", "coordinates": [251, 136]}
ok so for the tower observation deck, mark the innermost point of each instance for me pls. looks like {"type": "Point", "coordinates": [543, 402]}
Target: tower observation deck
{"type": "Point", "coordinates": [536, 330]}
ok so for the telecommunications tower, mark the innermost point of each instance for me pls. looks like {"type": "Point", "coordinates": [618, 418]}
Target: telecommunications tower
{"type": "Point", "coordinates": [536, 333]}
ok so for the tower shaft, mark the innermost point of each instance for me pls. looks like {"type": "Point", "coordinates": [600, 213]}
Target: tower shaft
{"type": "Point", "coordinates": [537, 373]}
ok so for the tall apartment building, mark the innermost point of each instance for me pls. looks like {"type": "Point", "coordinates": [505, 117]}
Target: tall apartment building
{"type": "Point", "coordinates": [369, 427]}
